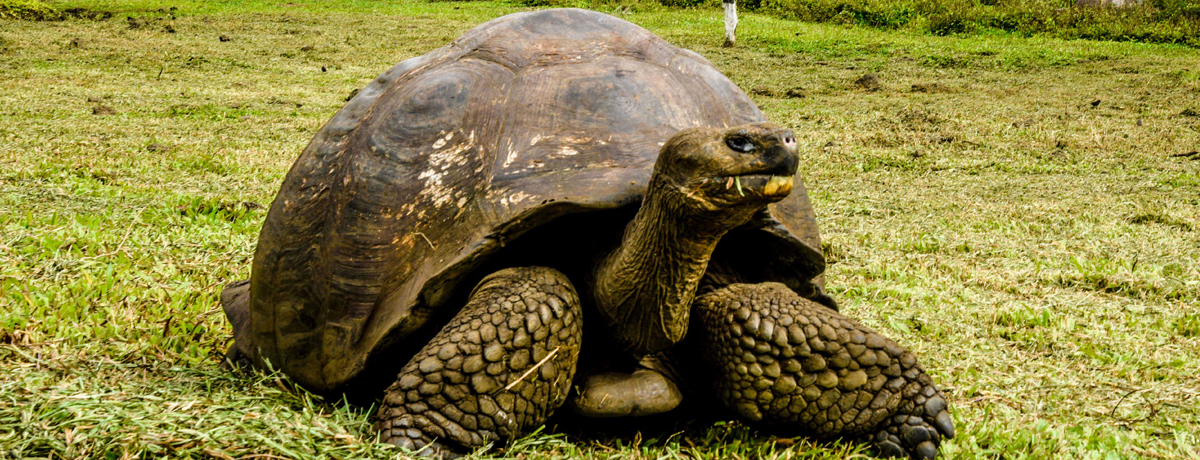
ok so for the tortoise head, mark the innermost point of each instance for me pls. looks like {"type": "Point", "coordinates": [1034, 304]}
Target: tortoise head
{"type": "Point", "coordinates": [729, 172]}
{"type": "Point", "coordinates": [706, 181]}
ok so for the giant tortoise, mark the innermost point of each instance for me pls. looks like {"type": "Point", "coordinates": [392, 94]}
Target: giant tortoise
{"type": "Point", "coordinates": [562, 190]}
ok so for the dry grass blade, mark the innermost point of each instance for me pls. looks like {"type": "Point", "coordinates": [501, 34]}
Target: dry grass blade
{"type": "Point", "coordinates": [531, 369]}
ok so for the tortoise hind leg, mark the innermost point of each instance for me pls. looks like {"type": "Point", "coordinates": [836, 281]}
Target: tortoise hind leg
{"type": "Point", "coordinates": [499, 368]}
{"type": "Point", "coordinates": [783, 361]}
{"type": "Point", "coordinates": [648, 389]}
{"type": "Point", "coordinates": [235, 301]}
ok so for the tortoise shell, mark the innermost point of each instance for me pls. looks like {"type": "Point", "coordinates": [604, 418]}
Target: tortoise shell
{"type": "Point", "coordinates": [418, 185]}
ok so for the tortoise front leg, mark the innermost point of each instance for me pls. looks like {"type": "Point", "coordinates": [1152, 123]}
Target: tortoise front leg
{"type": "Point", "coordinates": [499, 368]}
{"type": "Point", "coordinates": [786, 362]}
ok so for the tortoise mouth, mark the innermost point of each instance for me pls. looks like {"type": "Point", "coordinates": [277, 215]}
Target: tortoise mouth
{"type": "Point", "coordinates": [771, 186]}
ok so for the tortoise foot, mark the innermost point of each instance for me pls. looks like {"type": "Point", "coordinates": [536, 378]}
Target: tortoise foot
{"type": "Point", "coordinates": [619, 394]}
{"type": "Point", "coordinates": [400, 433]}
{"type": "Point", "coordinates": [783, 361]}
{"type": "Point", "coordinates": [918, 428]}
{"type": "Point", "coordinates": [236, 360]}
{"type": "Point", "coordinates": [902, 440]}
{"type": "Point", "coordinates": [919, 433]}
{"type": "Point", "coordinates": [499, 368]}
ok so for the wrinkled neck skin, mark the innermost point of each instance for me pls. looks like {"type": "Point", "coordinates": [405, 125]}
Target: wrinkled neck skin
{"type": "Point", "coordinates": [645, 287]}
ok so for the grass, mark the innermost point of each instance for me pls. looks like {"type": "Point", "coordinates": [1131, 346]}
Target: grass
{"type": "Point", "coordinates": [1157, 21]}
{"type": "Point", "coordinates": [1152, 21]}
{"type": "Point", "coordinates": [1028, 225]}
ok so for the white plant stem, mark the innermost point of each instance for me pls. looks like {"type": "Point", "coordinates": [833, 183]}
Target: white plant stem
{"type": "Point", "coordinates": [731, 22]}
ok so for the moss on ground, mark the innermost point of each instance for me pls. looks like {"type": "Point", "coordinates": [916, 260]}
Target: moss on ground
{"type": "Point", "coordinates": [30, 10]}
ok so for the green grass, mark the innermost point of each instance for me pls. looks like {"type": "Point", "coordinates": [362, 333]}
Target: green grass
{"type": "Point", "coordinates": [1155, 21]}
{"type": "Point", "coordinates": [1038, 250]}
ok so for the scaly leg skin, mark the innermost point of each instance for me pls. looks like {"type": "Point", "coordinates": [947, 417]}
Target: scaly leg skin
{"type": "Point", "coordinates": [786, 362]}
{"type": "Point", "coordinates": [500, 367]}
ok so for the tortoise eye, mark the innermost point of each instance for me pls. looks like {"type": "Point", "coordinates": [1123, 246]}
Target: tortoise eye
{"type": "Point", "coordinates": [740, 144]}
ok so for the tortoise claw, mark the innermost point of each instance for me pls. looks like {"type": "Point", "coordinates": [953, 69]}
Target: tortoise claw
{"type": "Point", "coordinates": [925, 450]}
{"type": "Point", "coordinates": [944, 424]}
{"type": "Point", "coordinates": [912, 437]}
{"type": "Point", "coordinates": [236, 360]}
{"type": "Point", "coordinates": [415, 442]}
{"type": "Point", "coordinates": [889, 449]}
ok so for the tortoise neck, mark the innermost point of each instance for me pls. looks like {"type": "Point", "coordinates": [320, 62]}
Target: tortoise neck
{"type": "Point", "coordinates": [645, 287]}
